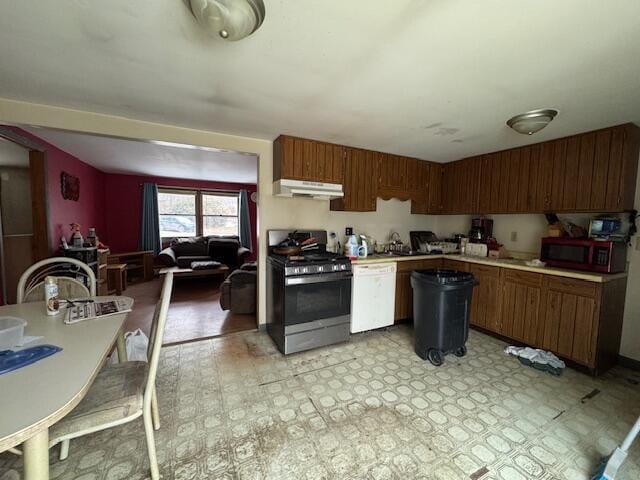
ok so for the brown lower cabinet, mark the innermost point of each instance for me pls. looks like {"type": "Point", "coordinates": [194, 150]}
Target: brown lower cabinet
{"type": "Point", "coordinates": [580, 321]}
{"type": "Point", "coordinates": [404, 292]}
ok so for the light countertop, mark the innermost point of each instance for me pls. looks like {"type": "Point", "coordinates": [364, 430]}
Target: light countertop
{"type": "Point", "coordinates": [504, 263]}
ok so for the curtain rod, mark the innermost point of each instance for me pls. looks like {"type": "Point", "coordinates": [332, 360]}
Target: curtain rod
{"type": "Point", "coordinates": [193, 189]}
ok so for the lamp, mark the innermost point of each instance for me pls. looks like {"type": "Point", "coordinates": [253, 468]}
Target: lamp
{"type": "Point", "coordinates": [230, 19]}
{"type": "Point", "coordinates": [531, 122]}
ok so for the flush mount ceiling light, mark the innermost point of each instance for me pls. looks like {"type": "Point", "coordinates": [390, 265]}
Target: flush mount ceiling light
{"type": "Point", "coordinates": [531, 122]}
{"type": "Point", "coordinates": [230, 19]}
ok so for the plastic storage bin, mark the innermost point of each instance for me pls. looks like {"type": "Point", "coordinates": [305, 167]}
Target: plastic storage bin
{"type": "Point", "coordinates": [441, 307]}
{"type": "Point", "coordinates": [11, 332]}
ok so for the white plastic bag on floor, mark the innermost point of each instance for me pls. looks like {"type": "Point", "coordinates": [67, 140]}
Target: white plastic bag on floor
{"type": "Point", "coordinates": [137, 343]}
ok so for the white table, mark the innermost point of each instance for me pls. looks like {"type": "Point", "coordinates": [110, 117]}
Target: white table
{"type": "Point", "coordinates": [36, 396]}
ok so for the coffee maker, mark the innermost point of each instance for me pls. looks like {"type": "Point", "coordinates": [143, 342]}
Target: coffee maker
{"type": "Point", "coordinates": [481, 230]}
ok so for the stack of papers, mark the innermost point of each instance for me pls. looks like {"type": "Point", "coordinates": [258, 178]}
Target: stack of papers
{"type": "Point", "coordinates": [79, 312]}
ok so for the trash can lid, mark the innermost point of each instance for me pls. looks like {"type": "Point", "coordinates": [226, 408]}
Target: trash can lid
{"type": "Point", "coordinates": [442, 276]}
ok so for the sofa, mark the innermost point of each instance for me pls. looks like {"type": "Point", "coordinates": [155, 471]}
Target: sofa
{"type": "Point", "coordinates": [198, 252]}
{"type": "Point", "coordinates": [238, 291]}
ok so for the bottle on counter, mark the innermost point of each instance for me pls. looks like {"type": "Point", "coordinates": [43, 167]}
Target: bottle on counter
{"type": "Point", "coordinates": [51, 299]}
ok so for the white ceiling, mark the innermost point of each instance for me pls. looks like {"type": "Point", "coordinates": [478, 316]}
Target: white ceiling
{"type": "Point", "coordinates": [143, 158]}
{"type": "Point", "coordinates": [435, 79]}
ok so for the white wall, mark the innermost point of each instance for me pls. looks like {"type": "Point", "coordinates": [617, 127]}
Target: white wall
{"type": "Point", "coordinates": [529, 228]}
{"type": "Point", "coordinates": [630, 346]}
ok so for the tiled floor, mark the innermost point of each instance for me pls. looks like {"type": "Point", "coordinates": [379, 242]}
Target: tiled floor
{"type": "Point", "coordinates": [233, 407]}
{"type": "Point", "coordinates": [194, 313]}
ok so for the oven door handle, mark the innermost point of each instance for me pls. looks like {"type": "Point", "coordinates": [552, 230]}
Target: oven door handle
{"type": "Point", "coordinates": [322, 278]}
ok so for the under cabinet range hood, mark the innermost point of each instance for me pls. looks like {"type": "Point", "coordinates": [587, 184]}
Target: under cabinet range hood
{"type": "Point", "coordinates": [302, 188]}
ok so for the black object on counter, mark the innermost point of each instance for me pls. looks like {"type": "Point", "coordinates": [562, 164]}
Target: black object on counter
{"type": "Point", "coordinates": [441, 308]}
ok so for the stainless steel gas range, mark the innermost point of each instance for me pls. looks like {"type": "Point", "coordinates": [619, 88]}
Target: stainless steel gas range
{"type": "Point", "coordinates": [308, 294]}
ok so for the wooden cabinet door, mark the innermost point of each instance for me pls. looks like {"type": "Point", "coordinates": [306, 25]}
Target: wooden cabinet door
{"type": "Point", "coordinates": [485, 305]}
{"type": "Point", "coordinates": [360, 182]}
{"type": "Point", "coordinates": [435, 188]}
{"type": "Point", "coordinates": [283, 158]}
{"type": "Point", "coordinates": [404, 291]}
{"type": "Point", "coordinates": [544, 186]}
{"type": "Point", "coordinates": [329, 162]}
{"type": "Point", "coordinates": [571, 309]}
{"type": "Point", "coordinates": [520, 309]}
{"type": "Point", "coordinates": [302, 159]}
{"type": "Point", "coordinates": [470, 186]}
{"type": "Point", "coordinates": [600, 170]}
{"type": "Point", "coordinates": [392, 176]}
{"type": "Point", "coordinates": [455, 265]}
{"type": "Point", "coordinates": [570, 187]}
{"type": "Point", "coordinates": [623, 168]}
{"type": "Point", "coordinates": [420, 186]}
{"type": "Point", "coordinates": [585, 172]}
{"type": "Point", "coordinates": [449, 188]}
{"type": "Point", "coordinates": [557, 182]}
{"type": "Point", "coordinates": [486, 173]}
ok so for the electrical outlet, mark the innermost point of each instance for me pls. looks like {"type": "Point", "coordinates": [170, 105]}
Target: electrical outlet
{"type": "Point", "coordinates": [514, 236]}
{"type": "Point", "coordinates": [348, 231]}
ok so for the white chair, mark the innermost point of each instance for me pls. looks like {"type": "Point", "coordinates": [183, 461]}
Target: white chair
{"type": "Point", "coordinates": [31, 284]}
{"type": "Point", "coordinates": [121, 393]}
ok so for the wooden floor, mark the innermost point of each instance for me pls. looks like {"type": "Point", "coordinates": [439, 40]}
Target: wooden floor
{"type": "Point", "coordinates": [194, 313]}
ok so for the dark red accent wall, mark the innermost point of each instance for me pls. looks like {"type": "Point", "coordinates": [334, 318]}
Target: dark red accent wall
{"type": "Point", "coordinates": [88, 211]}
{"type": "Point", "coordinates": [112, 203]}
{"type": "Point", "coordinates": [123, 207]}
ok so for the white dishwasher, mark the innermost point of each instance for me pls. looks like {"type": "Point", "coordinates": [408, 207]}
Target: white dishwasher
{"type": "Point", "coordinates": [374, 296]}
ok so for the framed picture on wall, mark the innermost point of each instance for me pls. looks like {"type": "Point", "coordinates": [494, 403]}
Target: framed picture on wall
{"type": "Point", "coordinates": [70, 186]}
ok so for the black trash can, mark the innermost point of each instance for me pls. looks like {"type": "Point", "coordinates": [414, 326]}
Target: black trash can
{"type": "Point", "coordinates": [441, 307]}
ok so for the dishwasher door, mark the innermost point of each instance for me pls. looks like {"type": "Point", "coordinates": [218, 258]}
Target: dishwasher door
{"type": "Point", "coordinates": [374, 296]}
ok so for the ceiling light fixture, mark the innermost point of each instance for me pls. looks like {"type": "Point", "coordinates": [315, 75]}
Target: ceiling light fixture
{"type": "Point", "coordinates": [531, 122]}
{"type": "Point", "coordinates": [230, 19]}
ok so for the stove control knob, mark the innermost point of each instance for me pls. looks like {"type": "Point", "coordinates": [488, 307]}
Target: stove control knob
{"type": "Point", "coordinates": [320, 268]}
{"type": "Point", "coordinates": [336, 268]}
{"type": "Point", "coordinates": [343, 267]}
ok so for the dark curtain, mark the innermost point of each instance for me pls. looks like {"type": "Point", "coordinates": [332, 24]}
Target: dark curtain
{"type": "Point", "coordinates": [245, 221]}
{"type": "Point", "coordinates": [150, 231]}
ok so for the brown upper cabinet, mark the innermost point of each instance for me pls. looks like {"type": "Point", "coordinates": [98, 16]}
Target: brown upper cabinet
{"type": "Point", "coordinates": [425, 185]}
{"type": "Point", "coordinates": [360, 182]}
{"type": "Point", "coordinates": [392, 176]}
{"type": "Point", "coordinates": [590, 172]}
{"type": "Point", "coordinates": [303, 159]}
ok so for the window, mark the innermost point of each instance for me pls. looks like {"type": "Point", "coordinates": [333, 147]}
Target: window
{"type": "Point", "coordinates": [187, 213]}
{"type": "Point", "coordinates": [219, 214]}
{"type": "Point", "coordinates": [177, 214]}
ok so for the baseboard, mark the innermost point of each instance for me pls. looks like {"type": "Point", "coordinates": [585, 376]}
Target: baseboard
{"type": "Point", "coordinates": [630, 363]}
{"type": "Point", "coordinates": [263, 328]}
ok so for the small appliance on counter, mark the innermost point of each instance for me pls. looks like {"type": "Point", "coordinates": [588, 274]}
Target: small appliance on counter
{"type": "Point", "coordinates": [602, 256]}
{"type": "Point", "coordinates": [606, 228]}
{"type": "Point", "coordinates": [481, 230]}
{"type": "Point", "coordinates": [476, 250]}
{"type": "Point", "coordinates": [308, 292]}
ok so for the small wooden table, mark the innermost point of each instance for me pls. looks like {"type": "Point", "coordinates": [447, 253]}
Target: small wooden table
{"type": "Point", "coordinates": [38, 395]}
{"type": "Point", "coordinates": [117, 277]}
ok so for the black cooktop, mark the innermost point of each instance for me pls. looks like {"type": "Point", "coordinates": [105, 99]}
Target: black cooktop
{"type": "Point", "coordinates": [309, 257]}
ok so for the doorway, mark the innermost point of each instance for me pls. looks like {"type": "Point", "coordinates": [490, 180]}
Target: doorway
{"type": "Point", "coordinates": [23, 234]}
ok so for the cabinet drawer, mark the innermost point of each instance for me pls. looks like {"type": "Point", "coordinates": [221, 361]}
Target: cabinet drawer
{"type": "Point", "coordinates": [569, 285]}
{"type": "Point", "coordinates": [525, 278]}
{"type": "Point", "coordinates": [410, 265]}
{"type": "Point", "coordinates": [485, 270]}
{"type": "Point", "coordinates": [455, 264]}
